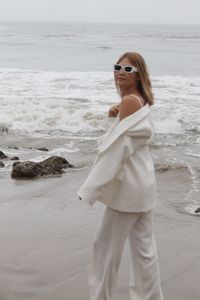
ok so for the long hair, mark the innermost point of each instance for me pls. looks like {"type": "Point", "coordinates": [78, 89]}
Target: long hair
{"type": "Point", "coordinates": [144, 83]}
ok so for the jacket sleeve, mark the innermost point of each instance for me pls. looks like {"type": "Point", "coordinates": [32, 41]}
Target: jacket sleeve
{"type": "Point", "coordinates": [106, 167]}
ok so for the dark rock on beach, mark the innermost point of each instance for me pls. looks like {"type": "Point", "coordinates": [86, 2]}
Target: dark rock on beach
{"type": "Point", "coordinates": [197, 210]}
{"type": "Point", "coordinates": [40, 149]}
{"type": "Point", "coordinates": [14, 147]}
{"type": "Point", "coordinates": [4, 129]}
{"type": "Point", "coordinates": [58, 161]}
{"type": "Point", "coordinates": [50, 166]}
{"type": "Point", "coordinates": [14, 158]}
{"type": "Point", "coordinates": [1, 164]}
{"type": "Point", "coordinates": [164, 167]}
{"type": "Point", "coordinates": [2, 155]}
{"type": "Point", "coordinates": [43, 149]}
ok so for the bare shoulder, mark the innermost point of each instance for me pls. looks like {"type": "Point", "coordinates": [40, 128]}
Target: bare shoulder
{"type": "Point", "coordinates": [128, 106]}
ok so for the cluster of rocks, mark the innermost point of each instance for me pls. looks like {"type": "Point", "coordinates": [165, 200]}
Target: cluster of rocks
{"type": "Point", "coordinates": [41, 148]}
{"type": "Point", "coordinates": [53, 165]}
{"type": "Point", "coordinates": [4, 156]}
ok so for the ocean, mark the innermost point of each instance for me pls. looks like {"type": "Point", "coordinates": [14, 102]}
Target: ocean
{"type": "Point", "coordinates": [56, 80]}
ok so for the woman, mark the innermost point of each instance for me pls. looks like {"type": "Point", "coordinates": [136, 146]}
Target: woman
{"type": "Point", "coordinates": [123, 178]}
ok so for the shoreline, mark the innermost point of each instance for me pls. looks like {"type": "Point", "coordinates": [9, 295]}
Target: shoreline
{"type": "Point", "coordinates": [47, 234]}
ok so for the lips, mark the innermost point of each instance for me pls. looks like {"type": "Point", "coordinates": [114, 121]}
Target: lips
{"type": "Point", "coordinates": [120, 78]}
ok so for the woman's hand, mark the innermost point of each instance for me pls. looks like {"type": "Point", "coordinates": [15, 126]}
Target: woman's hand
{"type": "Point", "coordinates": [113, 111]}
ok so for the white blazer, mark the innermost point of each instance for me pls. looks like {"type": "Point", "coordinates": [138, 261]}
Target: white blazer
{"type": "Point", "coordinates": [123, 174]}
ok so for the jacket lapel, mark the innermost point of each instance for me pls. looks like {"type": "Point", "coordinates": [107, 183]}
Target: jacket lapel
{"type": "Point", "coordinates": [123, 125]}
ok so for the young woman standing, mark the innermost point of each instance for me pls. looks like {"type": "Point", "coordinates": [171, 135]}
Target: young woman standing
{"type": "Point", "coordinates": [123, 178]}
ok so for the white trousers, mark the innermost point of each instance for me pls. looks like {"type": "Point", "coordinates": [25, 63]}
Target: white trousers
{"type": "Point", "coordinates": [108, 245]}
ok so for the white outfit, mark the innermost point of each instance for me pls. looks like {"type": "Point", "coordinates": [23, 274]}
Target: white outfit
{"type": "Point", "coordinates": [123, 178]}
{"type": "Point", "coordinates": [107, 250]}
{"type": "Point", "coordinates": [123, 175]}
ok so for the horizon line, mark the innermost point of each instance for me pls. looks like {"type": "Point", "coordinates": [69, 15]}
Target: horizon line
{"type": "Point", "coordinates": [94, 22]}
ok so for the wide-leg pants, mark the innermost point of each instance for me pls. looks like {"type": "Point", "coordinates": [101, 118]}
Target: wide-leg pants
{"type": "Point", "coordinates": [107, 249]}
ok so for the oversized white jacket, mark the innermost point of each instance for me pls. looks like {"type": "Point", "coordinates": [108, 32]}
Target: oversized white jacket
{"type": "Point", "coordinates": [123, 174]}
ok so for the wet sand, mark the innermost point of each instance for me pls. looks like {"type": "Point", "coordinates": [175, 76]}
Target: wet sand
{"type": "Point", "coordinates": [46, 237]}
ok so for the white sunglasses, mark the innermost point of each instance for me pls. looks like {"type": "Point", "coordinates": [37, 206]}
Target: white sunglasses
{"type": "Point", "coordinates": [127, 69]}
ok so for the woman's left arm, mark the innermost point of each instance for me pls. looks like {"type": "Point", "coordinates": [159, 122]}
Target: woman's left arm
{"type": "Point", "coordinates": [106, 168]}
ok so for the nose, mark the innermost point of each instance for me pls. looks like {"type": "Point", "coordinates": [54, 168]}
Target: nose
{"type": "Point", "coordinates": [122, 70]}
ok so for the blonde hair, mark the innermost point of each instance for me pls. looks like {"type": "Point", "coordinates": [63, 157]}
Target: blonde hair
{"type": "Point", "coordinates": [144, 83]}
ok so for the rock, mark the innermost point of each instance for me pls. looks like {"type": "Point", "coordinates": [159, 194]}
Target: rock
{"type": "Point", "coordinates": [43, 149]}
{"type": "Point", "coordinates": [49, 166]}
{"type": "Point", "coordinates": [197, 210]}
{"type": "Point", "coordinates": [14, 158]}
{"type": "Point", "coordinates": [4, 129]}
{"type": "Point", "coordinates": [2, 155]}
{"type": "Point", "coordinates": [164, 167]}
{"type": "Point", "coordinates": [1, 164]}
{"type": "Point", "coordinates": [58, 161]}
{"type": "Point", "coordinates": [40, 149]}
{"type": "Point", "coordinates": [14, 147]}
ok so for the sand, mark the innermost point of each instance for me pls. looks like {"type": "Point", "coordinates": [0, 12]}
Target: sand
{"type": "Point", "coordinates": [47, 233]}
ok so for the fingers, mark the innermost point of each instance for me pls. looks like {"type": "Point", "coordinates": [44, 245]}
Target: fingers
{"type": "Point", "coordinates": [113, 111]}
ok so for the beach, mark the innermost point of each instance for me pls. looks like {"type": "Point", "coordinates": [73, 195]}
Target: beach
{"type": "Point", "coordinates": [56, 86]}
{"type": "Point", "coordinates": [47, 234]}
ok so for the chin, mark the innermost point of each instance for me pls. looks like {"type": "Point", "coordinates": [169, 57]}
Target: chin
{"type": "Point", "coordinates": [121, 82]}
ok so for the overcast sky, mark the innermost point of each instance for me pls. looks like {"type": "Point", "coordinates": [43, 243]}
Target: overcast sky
{"type": "Point", "coordinates": [120, 11]}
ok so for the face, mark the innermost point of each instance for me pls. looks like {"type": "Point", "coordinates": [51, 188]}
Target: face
{"type": "Point", "coordinates": [126, 80]}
